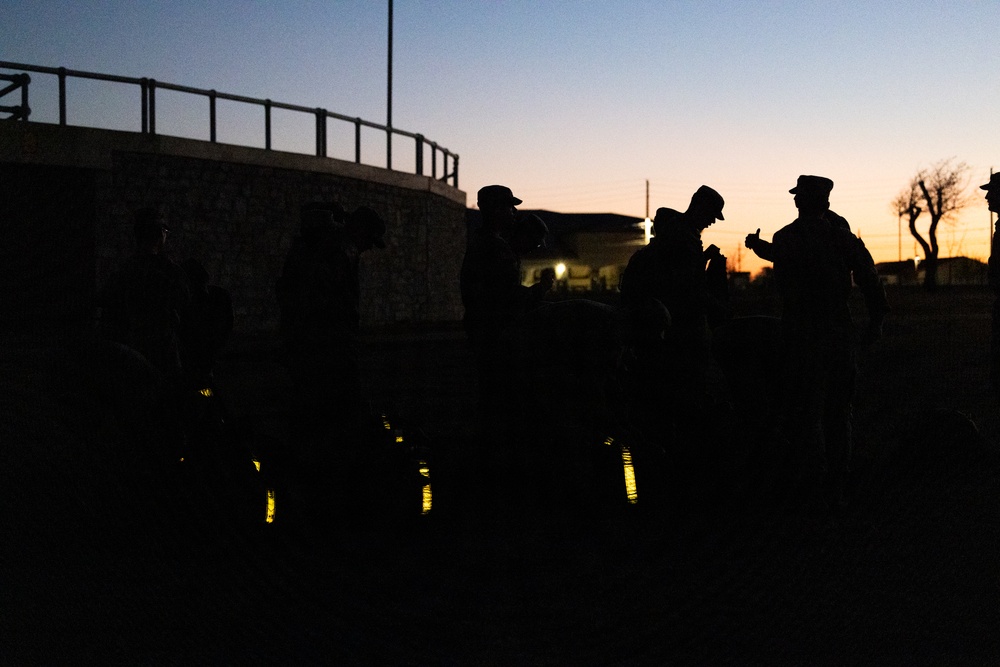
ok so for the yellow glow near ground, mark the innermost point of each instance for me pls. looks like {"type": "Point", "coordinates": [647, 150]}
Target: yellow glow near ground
{"type": "Point", "coordinates": [630, 487]}
{"type": "Point", "coordinates": [425, 472]}
{"type": "Point", "coordinates": [269, 517]}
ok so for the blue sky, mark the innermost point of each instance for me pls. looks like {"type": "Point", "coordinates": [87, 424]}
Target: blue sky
{"type": "Point", "coordinates": [576, 104]}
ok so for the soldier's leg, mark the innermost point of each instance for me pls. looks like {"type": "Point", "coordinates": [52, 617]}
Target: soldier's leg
{"type": "Point", "coordinates": [995, 348]}
{"type": "Point", "coordinates": [837, 418]}
{"type": "Point", "coordinates": [800, 419]}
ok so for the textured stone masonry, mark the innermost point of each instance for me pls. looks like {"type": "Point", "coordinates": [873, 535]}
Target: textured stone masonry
{"type": "Point", "coordinates": [234, 209]}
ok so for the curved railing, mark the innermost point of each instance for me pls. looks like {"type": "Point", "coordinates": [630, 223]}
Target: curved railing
{"type": "Point", "coordinates": [148, 88]}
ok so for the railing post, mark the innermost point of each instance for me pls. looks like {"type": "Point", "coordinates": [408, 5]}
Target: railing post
{"type": "Point", "coordinates": [388, 148]}
{"type": "Point", "coordinates": [321, 132]}
{"type": "Point", "coordinates": [454, 182]}
{"type": "Point", "coordinates": [357, 140]}
{"type": "Point", "coordinates": [267, 125]}
{"type": "Point", "coordinates": [25, 107]}
{"type": "Point", "coordinates": [420, 155]}
{"type": "Point", "coordinates": [144, 92]}
{"type": "Point", "coordinates": [434, 160]}
{"type": "Point", "coordinates": [152, 106]}
{"type": "Point", "coordinates": [62, 95]}
{"type": "Point", "coordinates": [211, 115]}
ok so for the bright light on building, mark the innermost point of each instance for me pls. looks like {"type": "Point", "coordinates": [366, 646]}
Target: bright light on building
{"type": "Point", "coordinates": [560, 270]}
{"type": "Point", "coordinates": [647, 226]}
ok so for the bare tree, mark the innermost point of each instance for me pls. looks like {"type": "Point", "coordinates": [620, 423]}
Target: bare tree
{"type": "Point", "coordinates": [941, 192]}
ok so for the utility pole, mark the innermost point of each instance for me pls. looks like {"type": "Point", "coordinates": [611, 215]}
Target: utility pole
{"type": "Point", "coordinates": [647, 224]}
{"type": "Point", "coordinates": [388, 113]}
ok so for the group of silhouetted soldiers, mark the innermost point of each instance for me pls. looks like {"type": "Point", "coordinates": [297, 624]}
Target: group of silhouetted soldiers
{"type": "Point", "coordinates": [816, 259]}
{"type": "Point", "coordinates": [674, 292]}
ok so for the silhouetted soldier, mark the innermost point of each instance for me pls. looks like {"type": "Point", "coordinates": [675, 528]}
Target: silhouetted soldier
{"type": "Point", "coordinates": [493, 298]}
{"type": "Point", "coordinates": [491, 279]}
{"type": "Point", "coordinates": [205, 325]}
{"type": "Point", "coordinates": [141, 307]}
{"type": "Point", "coordinates": [529, 235]}
{"type": "Point", "coordinates": [993, 203]}
{"type": "Point", "coordinates": [491, 288]}
{"type": "Point", "coordinates": [319, 297]}
{"type": "Point", "coordinates": [320, 302]}
{"type": "Point", "coordinates": [646, 276]}
{"type": "Point", "coordinates": [689, 300]}
{"type": "Point", "coordinates": [814, 262]}
{"type": "Point", "coordinates": [142, 302]}
{"type": "Point", "coordinates": [691, 371]}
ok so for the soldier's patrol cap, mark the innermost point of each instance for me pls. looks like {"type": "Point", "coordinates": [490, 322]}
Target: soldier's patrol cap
{"type": "Point", "coordinates": [372, 222]}
{"type": "Point", "coordinates": [710, 199]}
{"type": "Point", "coordinates": [816, 185]}
{"type": "Point", "coordinates": [318, 214]}
{"type": "Point", "coordinates": [994, 183]}
{"type": "Point", "coordinates": [496, 196]}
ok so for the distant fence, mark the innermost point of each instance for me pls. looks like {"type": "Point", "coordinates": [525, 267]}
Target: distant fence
{"type": "Point", "coordinates": [148, 88]}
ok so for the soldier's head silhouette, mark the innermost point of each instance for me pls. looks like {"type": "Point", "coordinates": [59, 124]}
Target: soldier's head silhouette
{"type": "Point", "coordinates": [705, 207]}
{"type": "Point", "coordinates": [812, 194]}
{"type": "Point", "coordinates": [992, 192]}
{"type": "Point", "coordinates": [663, 218]}
{"type": "Point", "coordinates": [529, 234]}
{"type": "Point", "coordinates": [497, 205]}
{"type": "Point", "coordinates": [366, 228]}
{"type": "Point", "coordinates": [318, 219]}
{"type": "Point", "coordinates": [149, 230]}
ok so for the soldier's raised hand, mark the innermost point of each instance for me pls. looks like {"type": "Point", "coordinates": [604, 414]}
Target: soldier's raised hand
{"type": "Point", "coordinates": [753, 239]}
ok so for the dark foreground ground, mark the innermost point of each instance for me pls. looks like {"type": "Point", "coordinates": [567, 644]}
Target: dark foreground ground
{"type": "Point", "coordinates": [102, 561]}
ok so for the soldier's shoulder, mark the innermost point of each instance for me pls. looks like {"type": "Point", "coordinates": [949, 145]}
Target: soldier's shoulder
{"type": "Point", "coordinates": [847, 239]}
{"type": "Point", "coordinates": [788, 230]}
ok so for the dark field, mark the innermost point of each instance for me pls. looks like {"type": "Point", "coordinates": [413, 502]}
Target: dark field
{"type": "Point", "coordinates": [103, 562]}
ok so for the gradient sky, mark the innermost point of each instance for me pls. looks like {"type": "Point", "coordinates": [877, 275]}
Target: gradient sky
{"type": "Point", "coordinates": [575, 104]}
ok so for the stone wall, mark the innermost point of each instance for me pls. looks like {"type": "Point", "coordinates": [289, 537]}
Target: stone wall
{"type": "Point", "coordinates": [234, 209]}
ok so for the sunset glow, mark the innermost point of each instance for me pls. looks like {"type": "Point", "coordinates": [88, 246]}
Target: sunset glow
{"type": "Point", "coordinates": [576, 108]}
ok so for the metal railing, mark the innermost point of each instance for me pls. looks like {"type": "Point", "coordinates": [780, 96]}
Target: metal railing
{"type": "Point", "coordinates": [148, 88]}
{"type": "Point", "coordinates": [22, 111]}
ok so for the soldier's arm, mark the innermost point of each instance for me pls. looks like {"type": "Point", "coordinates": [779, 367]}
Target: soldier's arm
{"type": "Point", "coordinates": [760, 247]}
{"type": "Point", "coordinates": [718, 307]}
{"type": "Point", "coordinates": [866, 278]}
